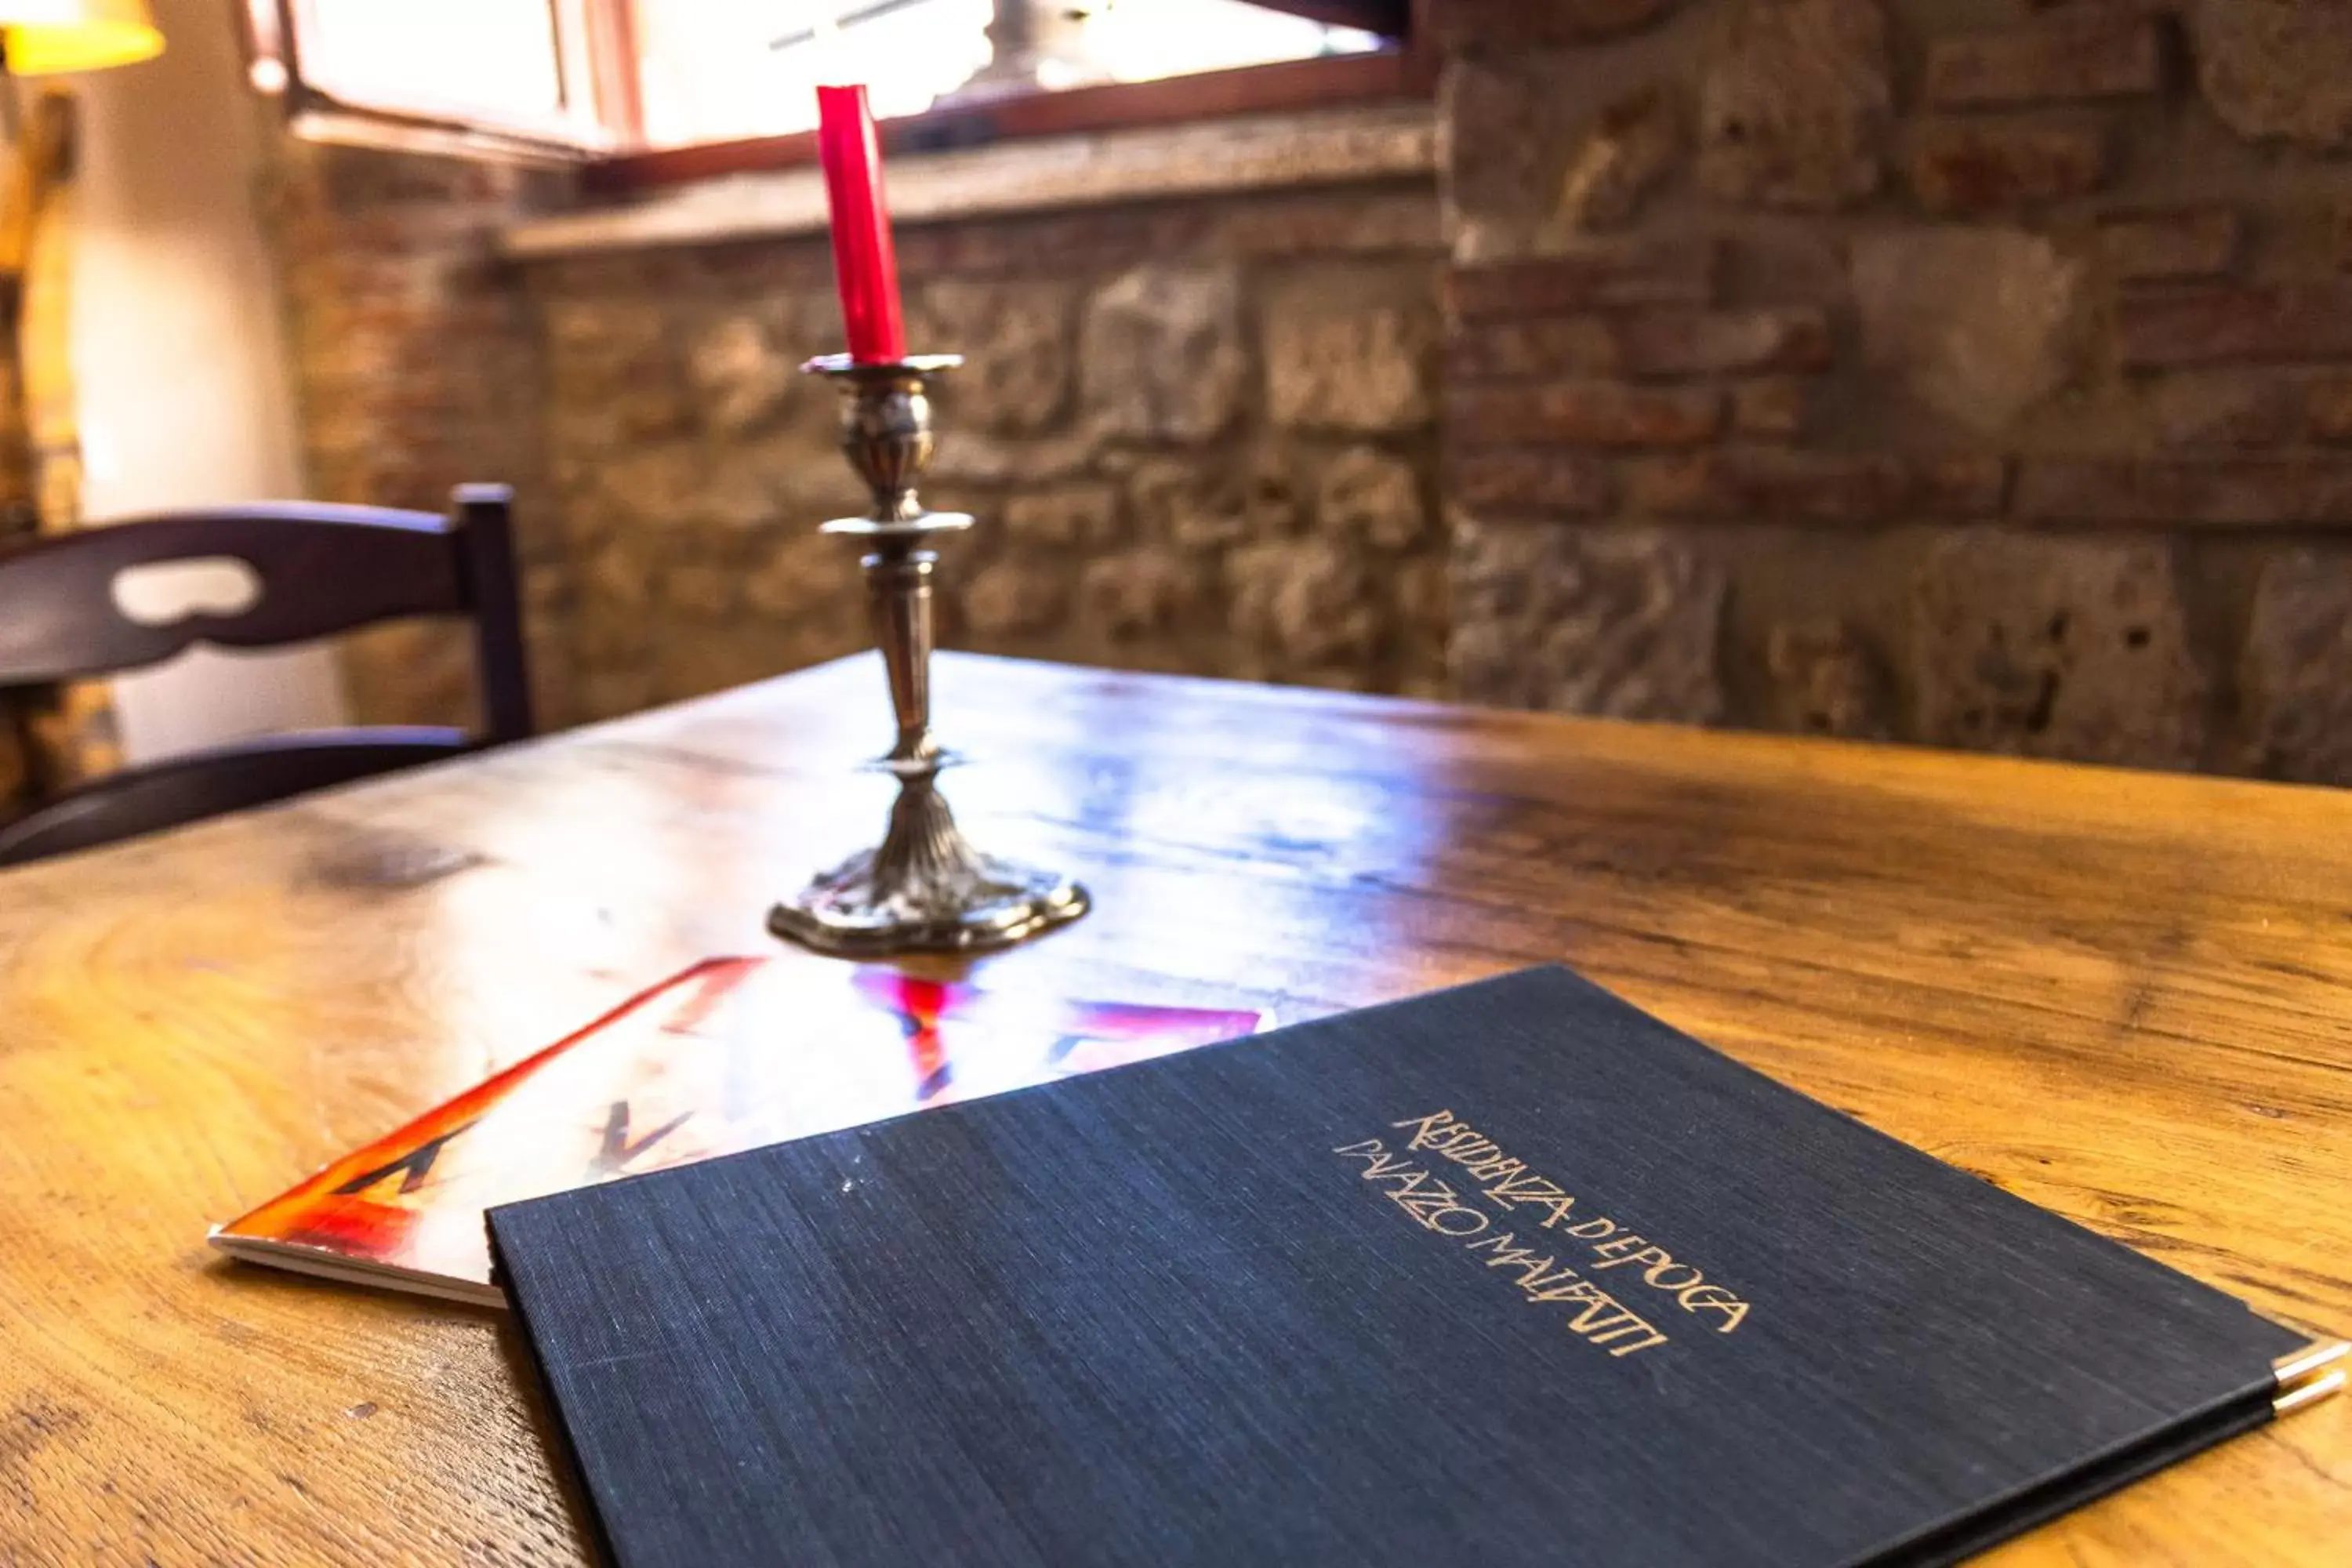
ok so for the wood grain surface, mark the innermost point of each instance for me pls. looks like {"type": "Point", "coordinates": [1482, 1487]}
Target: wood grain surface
{"type": "Point", "coordinates": [2122, 995]}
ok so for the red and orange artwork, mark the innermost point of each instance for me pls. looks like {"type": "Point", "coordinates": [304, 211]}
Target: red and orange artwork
{"type": "Point", "coordinates": [728, 1055]}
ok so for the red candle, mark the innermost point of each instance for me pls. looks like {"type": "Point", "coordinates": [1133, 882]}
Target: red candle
{"type": "Point", "coordinates": [864, 262]}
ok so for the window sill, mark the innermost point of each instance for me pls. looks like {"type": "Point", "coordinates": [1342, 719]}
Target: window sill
{"type": "Point", "coordinates": [1396, 141]}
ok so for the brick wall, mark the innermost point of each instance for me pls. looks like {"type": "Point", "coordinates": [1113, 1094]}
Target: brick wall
{"type": "Point", "coordinates": [418, 367]}
{"type": "Point", "coordinates": [1973, 372]}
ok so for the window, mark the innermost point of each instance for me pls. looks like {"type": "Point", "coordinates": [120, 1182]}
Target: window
{"type": "Point", "coordinates": [523, 73]}
{"type": "Point", "coordinates": [725, 68]}
{"type": "Point", "coordinates": [670, 81]}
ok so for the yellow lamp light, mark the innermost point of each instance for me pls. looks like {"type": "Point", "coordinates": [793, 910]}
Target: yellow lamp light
{"type": "Point", "coordinates": [45, 38]}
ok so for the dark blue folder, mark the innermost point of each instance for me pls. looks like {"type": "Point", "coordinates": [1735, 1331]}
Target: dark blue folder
{"type": "Point", "coordinates": [1510, 1274]}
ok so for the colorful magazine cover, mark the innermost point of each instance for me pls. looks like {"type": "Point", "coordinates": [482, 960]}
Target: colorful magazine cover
{"type": "Point", "coordinates": [728, 1055]}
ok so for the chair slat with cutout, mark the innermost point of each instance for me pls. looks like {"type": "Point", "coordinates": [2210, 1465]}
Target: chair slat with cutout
{"type": "Point", "coordinates": [316, 570]}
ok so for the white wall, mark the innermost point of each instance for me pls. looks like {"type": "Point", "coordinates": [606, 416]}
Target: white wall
{"type": "Point", "coordinates": [178, 349]}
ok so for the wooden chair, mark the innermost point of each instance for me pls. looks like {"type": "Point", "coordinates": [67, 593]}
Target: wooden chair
{"type": "Point", "coordinates": [322, 569]}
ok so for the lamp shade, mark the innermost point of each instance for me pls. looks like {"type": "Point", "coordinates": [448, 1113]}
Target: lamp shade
{"type": "Point", "coordinates": [44, 38]}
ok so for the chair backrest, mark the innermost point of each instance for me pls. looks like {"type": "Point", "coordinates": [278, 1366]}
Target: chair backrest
{"type": "Point", "coordinates": [319, 569]}
{"type": "Point", "coordinates": [316, 570]}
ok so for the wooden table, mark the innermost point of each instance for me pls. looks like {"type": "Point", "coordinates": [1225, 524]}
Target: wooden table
{"type": "Point", "coordinates": [2123, 995]}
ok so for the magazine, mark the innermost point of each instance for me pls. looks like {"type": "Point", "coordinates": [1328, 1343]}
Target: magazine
{"type": "Point", "coordinates": [729, 1055]}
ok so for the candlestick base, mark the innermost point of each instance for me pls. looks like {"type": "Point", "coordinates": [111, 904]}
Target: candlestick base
{"type": "Point", "coordinates": [925, 889]}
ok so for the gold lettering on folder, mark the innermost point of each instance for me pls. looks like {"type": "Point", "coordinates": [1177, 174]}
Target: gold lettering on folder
{"type": "Point", "coordinates": [1408, 1177]}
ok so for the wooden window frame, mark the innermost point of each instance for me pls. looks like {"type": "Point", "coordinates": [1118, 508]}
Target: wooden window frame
{"type": "Point", "coordinates": [1248, 90]}
{"type": "Point", "coordinates": [596, 48]}
{"type": "Point", "coordinates": [598, 116]}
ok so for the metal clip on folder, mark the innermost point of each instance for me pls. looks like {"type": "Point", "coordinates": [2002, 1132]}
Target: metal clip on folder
{"type": "Point", "coordinates": [2309, 1377]}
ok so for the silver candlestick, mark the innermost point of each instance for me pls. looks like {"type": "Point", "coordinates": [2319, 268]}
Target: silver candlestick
{"type": "Point", "coordinates": [923, 888]}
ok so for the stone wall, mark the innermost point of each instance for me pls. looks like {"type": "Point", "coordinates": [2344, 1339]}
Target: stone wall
{"type": "Point", "coordinates": [1199, 436]}
{"type": "Point", "coordinates": [1969, 372]}
{"type": "Point", "coordinates": [1973, 372]}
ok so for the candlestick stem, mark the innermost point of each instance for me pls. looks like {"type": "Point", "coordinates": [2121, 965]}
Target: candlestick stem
{"type": "Point", "coordinates": [898, 588]}
{"type": "Point", "coordinates": [924, 887]}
